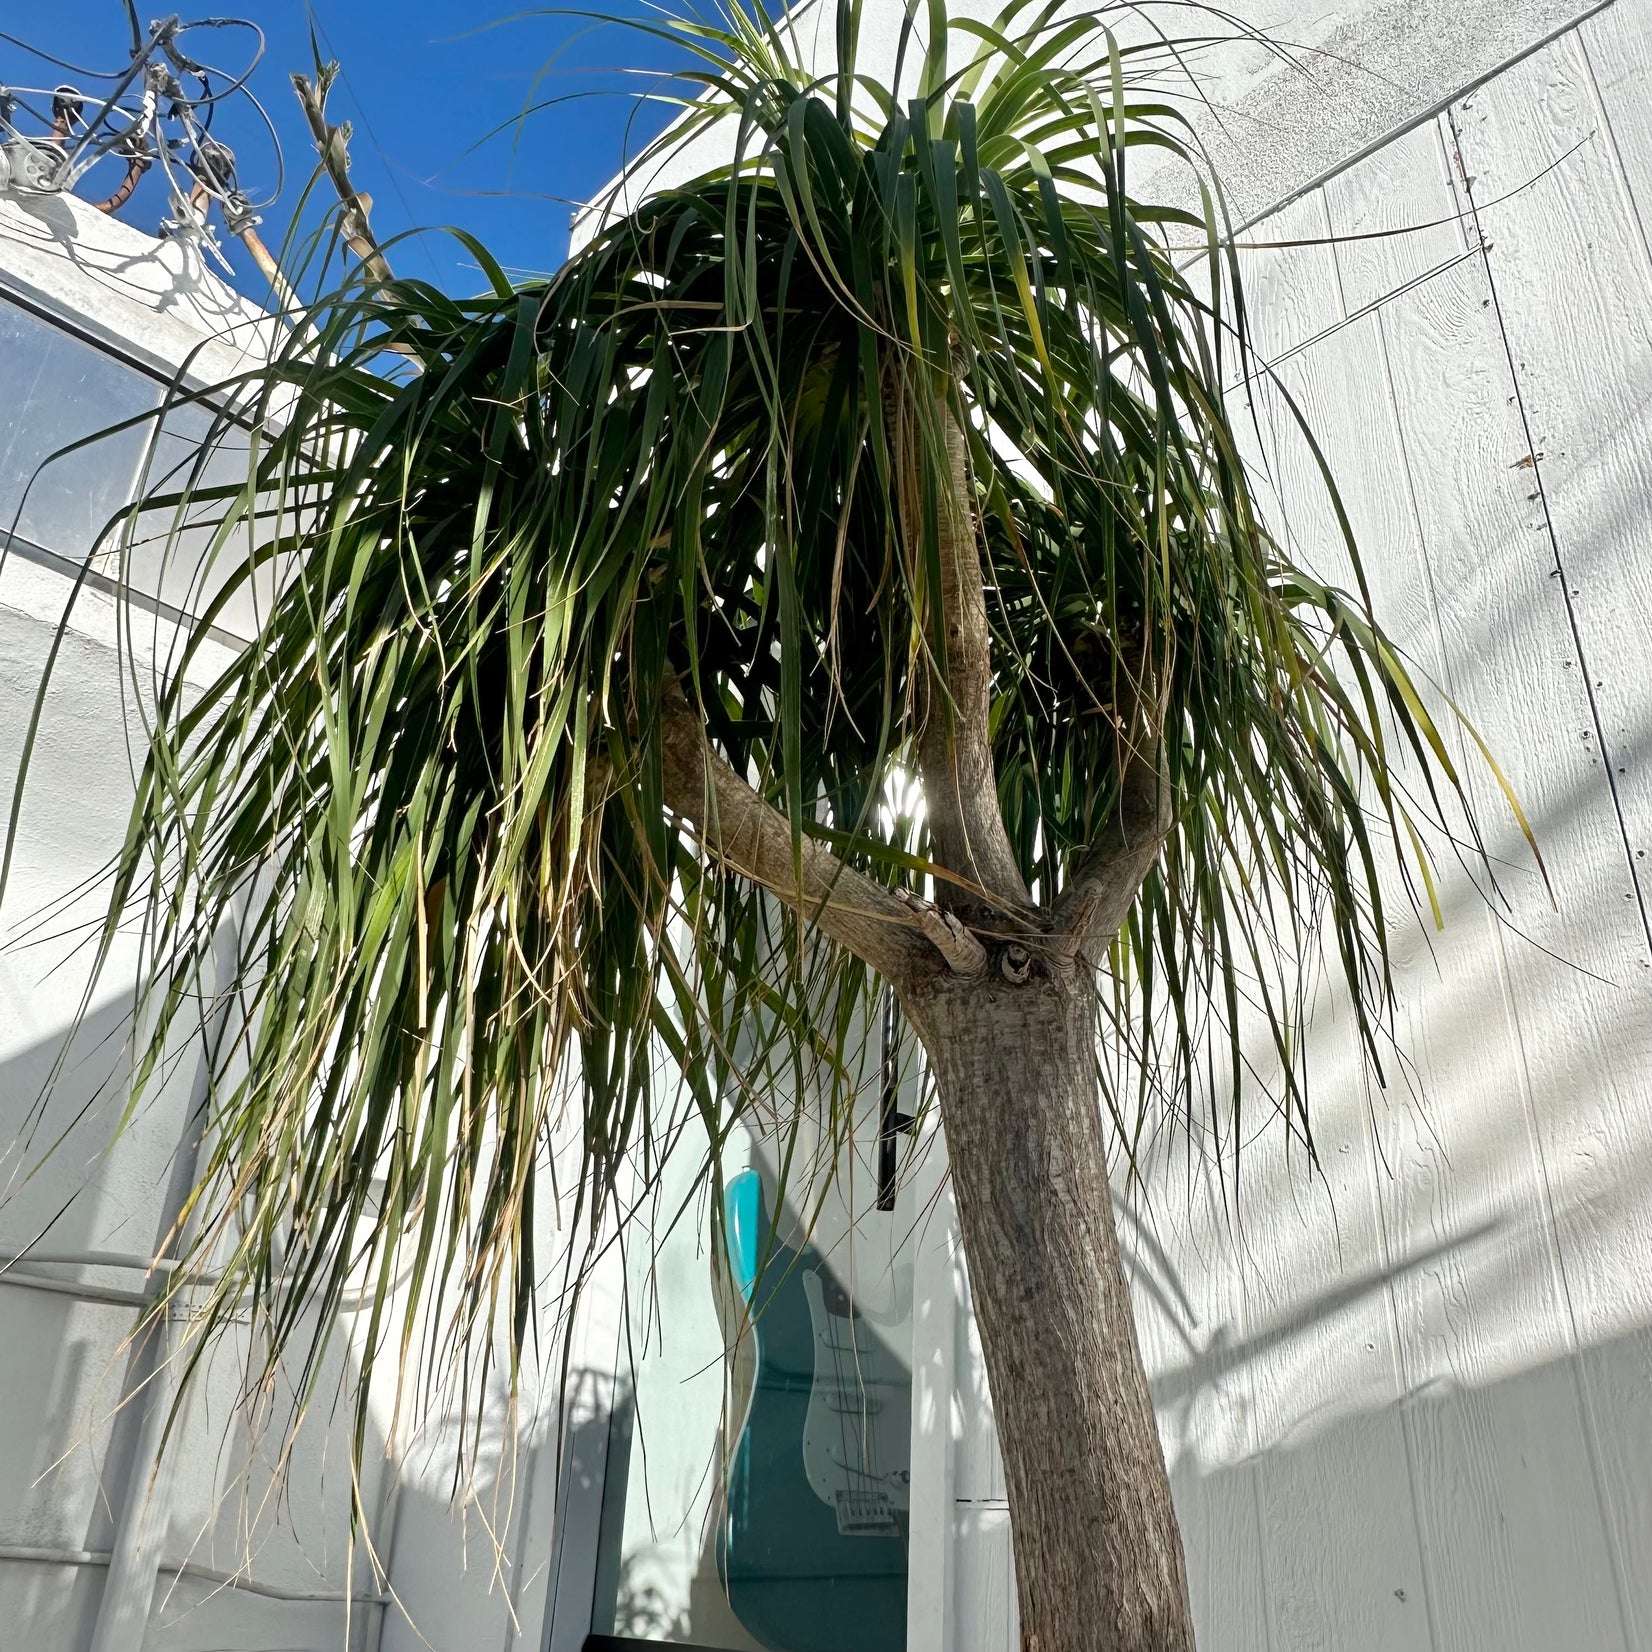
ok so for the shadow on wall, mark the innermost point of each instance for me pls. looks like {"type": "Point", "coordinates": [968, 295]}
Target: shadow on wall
{"type": "Point", "coordinates": [1494, 1542]}
{"type": "Point", "coordinates": [475, 1569]}
{"type": "Point", "coordinates": [1406, 1393]}
{"type": "Point", "coordinates": [63, 1359]}
{"type": "Point", "coordinates": [1307, 1547]}
{"type": "Point", "coordinates": [240, 1499]}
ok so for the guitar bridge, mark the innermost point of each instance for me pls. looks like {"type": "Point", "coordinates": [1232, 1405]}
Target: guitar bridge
{"type": "Point", "coordinates": [865, 1514]}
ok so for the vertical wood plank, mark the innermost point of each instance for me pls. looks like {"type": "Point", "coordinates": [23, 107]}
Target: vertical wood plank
{"type": "Point", "coordinates": [979, 1471]}
{"type": "Point", "coordinates": [1573, 297]}
{"type": "Point", "coordinates": [1618, 49]}
{"type": "Point", "coordinates": [1516, 1548]}
{"type": "Point", "coordinates": [1395, 223]}
{"type": "Point", "coordinates": [984, 1579]}
{"type": "Point", "coordinates": [931, 1601]}
{"type": "Point", "coordinates": [1342, 1555]}
{"type": "Point", "coordinates": [1176, 1241]}
{"type": "Point", "coordinates": [1287, 309]}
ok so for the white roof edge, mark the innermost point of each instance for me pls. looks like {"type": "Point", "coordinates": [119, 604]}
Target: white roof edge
{"type": "Point", "coordinates": [1363, 70]}
{"type": "Point", "coordinates": [154, 302]}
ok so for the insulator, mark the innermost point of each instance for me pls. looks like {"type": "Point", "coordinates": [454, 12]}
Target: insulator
{"type": "Point", "coordinates": [67, 105]}
{"type": "Point", "coordinates": [213, 163]}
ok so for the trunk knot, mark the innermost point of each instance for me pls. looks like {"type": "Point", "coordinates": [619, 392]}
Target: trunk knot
{"type": "Point", "coordinates": [949, 935]}
{"type": "Point", "coordinates": [1016, 963]}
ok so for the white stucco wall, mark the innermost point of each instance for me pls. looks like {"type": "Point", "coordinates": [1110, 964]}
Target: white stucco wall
{"type": "Point", "coordinates": [238, 1566]}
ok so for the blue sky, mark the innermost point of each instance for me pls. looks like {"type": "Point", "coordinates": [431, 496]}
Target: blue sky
{"type": "Point", "coordinates": [424, 82]}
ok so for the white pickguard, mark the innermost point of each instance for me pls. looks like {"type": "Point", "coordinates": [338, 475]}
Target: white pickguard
{"type": "Point", "coordinates": [857, 1434]}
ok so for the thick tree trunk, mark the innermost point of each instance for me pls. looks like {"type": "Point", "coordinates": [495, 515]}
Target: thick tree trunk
{"type": "Point", "coordinates": [1003, 996]}
{"type": "Point", "coordinates": [1099, 1563]}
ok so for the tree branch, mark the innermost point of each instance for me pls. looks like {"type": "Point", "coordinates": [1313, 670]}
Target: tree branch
{"type": "Point", "coordinates": [955, 752]}
{"type": "Point", "coordinates": [755, 840]}
{"type": "Point", "coordinates": [1091, 909]}
{"type": "Point", "coordinates": [951, 937]}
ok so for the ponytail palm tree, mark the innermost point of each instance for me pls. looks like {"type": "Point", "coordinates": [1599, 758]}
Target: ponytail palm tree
{"type": "Point", "coordinates": [840, 577]}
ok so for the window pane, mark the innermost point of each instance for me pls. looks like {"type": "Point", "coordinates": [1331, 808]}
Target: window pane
{"type": "Point", "coordinates": [54, 389]}
{"type": "Point", "coordinates": [172, 555]}
{"type": "Point", "coordinates": [803, 1414]}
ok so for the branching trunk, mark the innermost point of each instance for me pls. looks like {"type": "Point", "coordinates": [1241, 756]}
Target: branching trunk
{"type": "Point", "coordinates": [966, 828]}
{"type": "Point", "coordinates": [1099, 1563]}
{"type": "Point", "coordinates": [1003, 996]}
{"type": "Point", "coordinates": [1011, 1043]}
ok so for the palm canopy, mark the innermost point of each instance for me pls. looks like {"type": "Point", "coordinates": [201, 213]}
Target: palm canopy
{"type": "Point", "coordinates": [701, 480]}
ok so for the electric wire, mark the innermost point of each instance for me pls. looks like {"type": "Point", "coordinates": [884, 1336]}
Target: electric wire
{"type": "Point", "coordinates": [62, 62]}
{"type": "Point", "coordinates": [170, 122]}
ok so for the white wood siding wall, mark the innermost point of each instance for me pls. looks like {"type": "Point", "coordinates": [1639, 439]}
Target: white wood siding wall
{"type": "Point", "coordinates": [1407, 1402]}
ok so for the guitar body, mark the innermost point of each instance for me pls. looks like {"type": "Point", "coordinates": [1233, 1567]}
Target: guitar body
{"type": "Point", "coordinates": [813, 1546]}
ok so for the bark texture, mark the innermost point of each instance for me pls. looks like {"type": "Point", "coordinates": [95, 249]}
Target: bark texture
{"type": "Point", "coordinates": [1002, 994]}
{"type": "Point", "coordinates": [754, 840]}
{"type": "Point", "coordinates": [1011, 1042]}
{"type": "Point", "coordinates": [1099, 1564]}
{"type": "Point", "coordinates": [966, 826]}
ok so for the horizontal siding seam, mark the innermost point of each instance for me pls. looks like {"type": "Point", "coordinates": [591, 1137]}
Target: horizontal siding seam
{"type": "Point", "coordinates": [1360, 314]}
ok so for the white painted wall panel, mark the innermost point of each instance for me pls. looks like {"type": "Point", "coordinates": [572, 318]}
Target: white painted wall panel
{"type": "Point", "coordinates": [984, 1612]}
{"type": "Point", "coordinates": [1503, 1468]}
{"type": "Point", "coordinates": [1578, 324]}
{"type": "Point", "coordinates": [1428, 1362]}
{"type": "Point", "coordinates": [65, 1447]}
{"type": "Point", "coordinates": [1498, 1493]}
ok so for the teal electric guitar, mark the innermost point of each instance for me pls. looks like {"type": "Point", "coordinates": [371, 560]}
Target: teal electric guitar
{"type": "Point", "coordinates": [813, 1545]}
